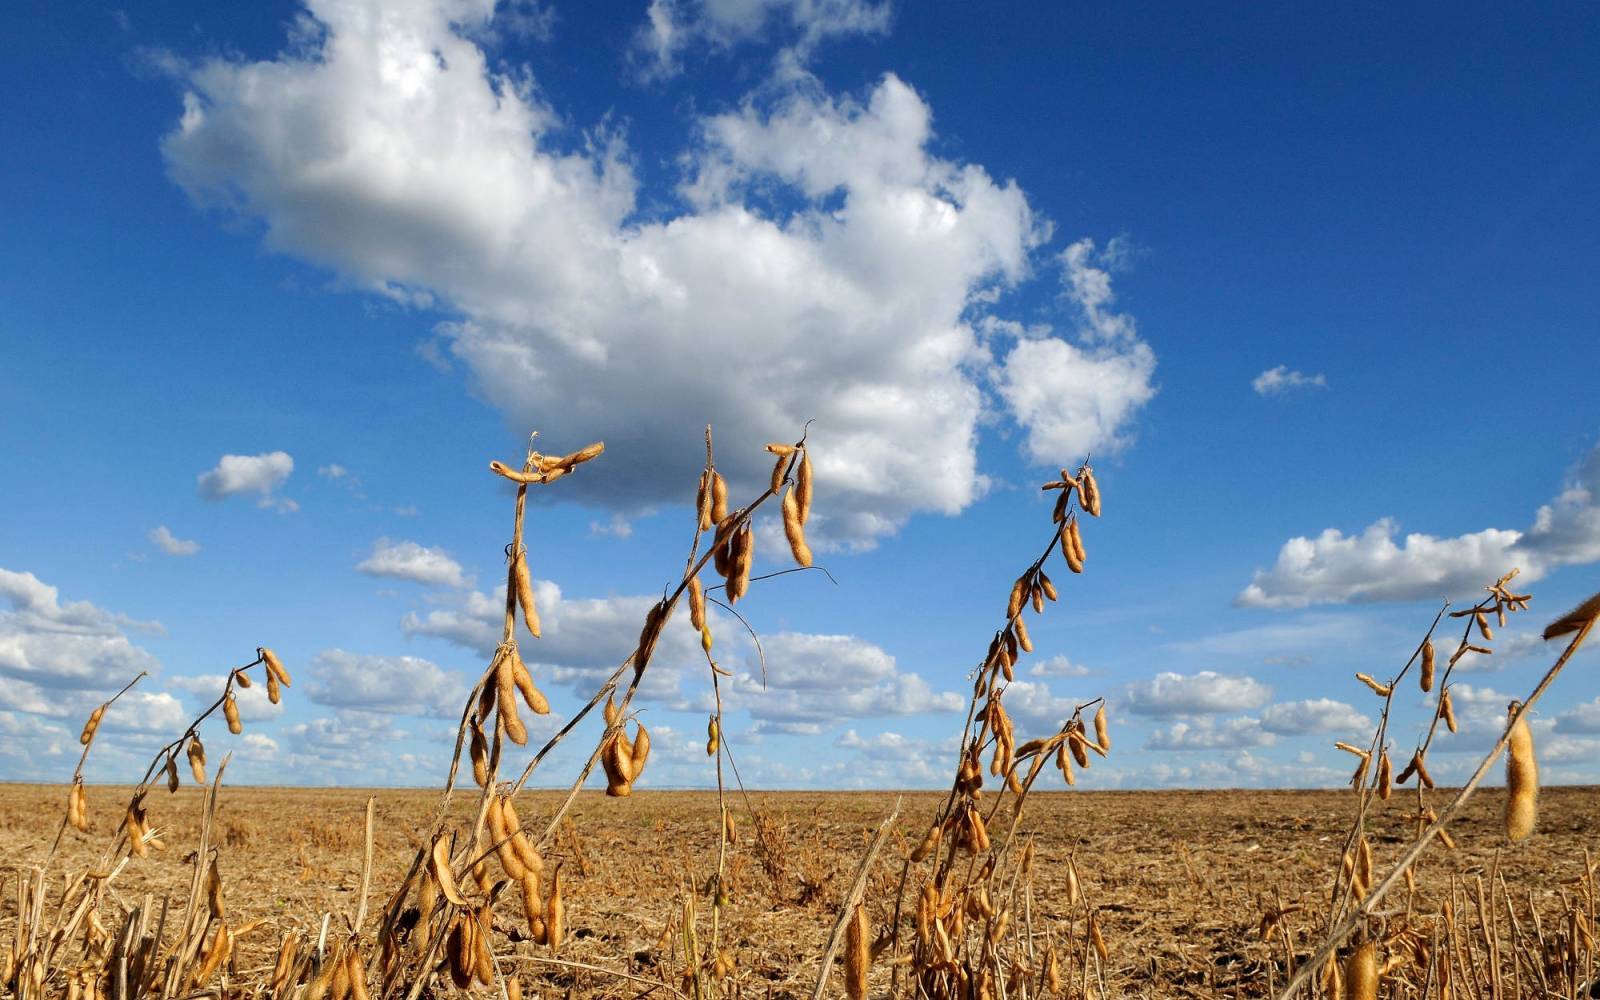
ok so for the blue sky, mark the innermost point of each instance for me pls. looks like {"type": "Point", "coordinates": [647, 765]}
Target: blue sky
{"type": "Point", "coordinates": [1316, 290]}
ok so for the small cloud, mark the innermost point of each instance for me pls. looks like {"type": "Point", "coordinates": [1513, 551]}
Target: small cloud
{"type": "Point", "coordinates": [409, 510]}
{"type": "Point", "coordinates": [1206, 734]}
{"type": "Point", "coordinates": [242, 474]}
{"type": "Point", "coordinates": [332, 471]}
{"type": "Point", "coordinates": [1204, 693]}
{"type": "Point", "coordinates": [403, 560]}
{"type": "Point", "coordinates": [163, 538]}
{"type": "Point", "coordinates": [617, 527]}
{"type": "Point", "coordinates": [1280, 381]}
{"type": "Point", "coordinates": [1313, 715]}
{"type": "Point", "coordinates": [1058, 666]}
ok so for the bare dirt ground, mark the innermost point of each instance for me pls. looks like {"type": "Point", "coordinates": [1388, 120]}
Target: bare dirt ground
{"type": "Point", "coordinates": [1180, 879]}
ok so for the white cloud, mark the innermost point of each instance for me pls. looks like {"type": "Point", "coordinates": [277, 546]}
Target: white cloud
{"type": "Point", "coordinates": [1583, 718]}
{"type": "Point", "coordinates": [1039, 710]}
{"type": "Point", "coordinates": [397, 685]}
{"type": "Point", "coordinates": [163, 538]}
{"type": "Point", "coordinates": [1339, 568]}
{"type": "Point", "coordinates": [384, 148]}
{"type": "Point", "coordinates": [47, 644]}
{"type": "Point", "coordinates": [333, 471]}
{"type": "Point", "coordinates": [1074, 398]}
{"type": "Point", "coordinates": [1208, 734]}
{"type": "Point", "coordinates": [673, 26]}
{"type": "Point", "coordinates": [259, 474]}
{"type": "Point", "coordinates": [403, 560]}
{"type": "Point", "coordinates": [1280, 381]}
{"type": "Point", "coordinates": [617, 527]}
{"type": "Point", "coordinates": [584, 639]}
{"type": "Point", "coordinates": [1314, 715]}
{"type": "Point", "coordinates": [821, 678]}
{"type": "Point", "coordinates": [1334, 568]}
{"type": "Point", "coordinates": [1206, 692]}
{"type": "Point", "coordinates": [1058, 666]}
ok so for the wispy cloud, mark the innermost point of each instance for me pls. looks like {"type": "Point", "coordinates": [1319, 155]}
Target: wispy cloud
{"type": "Point", "coordinates": [163, 538]}
{"type": "Point", "coordinates": [1280, 381]}
{"type": "Point", "coordinates": [403, 560]}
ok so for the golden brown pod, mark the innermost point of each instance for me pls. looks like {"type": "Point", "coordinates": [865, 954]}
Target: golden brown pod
{"type": "Point", "coordinates": [526, 852]}
{"type": "Point", "coordinates": [1076, 538]}
{"type": "Point", "coordinates": [214, 890]}
{"type": "Point", "coordinates": [516, 475]}
{"type": "Point", "coordinates": [213, 956]}
{"type": "Point", "coordinates": [1579, 617]}
{"type": "Point", "coordinates": [533, 908]}
{"type": "Point", "coordinates": [582, 455]}
{"type": "Point", "coordinates": [555, 913]}
{"type": "Point", "coordinates": [357, 972]}
{"type": "Point", "coordinates": [439, 868]}
{"type": "Point", "coordinates": [1019, 591]}
{"type": "Point", "coordinates": [1047, 587]}
{"type": "Point", "coordinates": [1102, 734]}
{"type": "Point", "coordinates": [702, 500]}
{"type": "Point", "coordinates": [197, 759]}
{"type": "Point", "coordinates": [90, 726]}
{"type": "Point", "coordinates": [802, 485]}
{"type": "Point", "coordinates": [230, 710]}
{"type": "Point", "coordinates": [1422, 771]}
{"type": "Point", "coordinates": [713, 737]}
{"type": "Point", "coordinates": [697, 604]}
{"type": "Point", "coordinates": [1447, 710]}
{"type": "Point", "coordinates": [274, 666]}
{"type": "Point", "coordinates": [1385, 776]}
{"type": "Point", "coordinates": [506, 699]}
{"type": "Point", "coordinates": [1024, 641]}
{"type": "Point", "coordinates": [243, 679]}
{"type": "Point", "coordinates": [274, 695]}
{"type": "Point", "coordinates": [640, 752]}
{"type": "Point", "coordinates": [504, 849]}
{"type": "Point", "coordinates": [537, 703]}
{"type": "Point", "coordinates": [78, 807]}
{"type": "Point", "coordinates": [723, 544]}
{"type": "Point", "coordinates": [1522, 779]}
{"type": "Point", "coordinates": [461, 952]}
{"type": "Point", "coordinates": [172, 773]}
{"type": "Point", "coordinates": [1069, 553]}
{"type": "Point", "coordinates": [133, 824]}
{"type": "Point", "coordinates": [857, 955]}
{"type": "Point", "coordinates": [719, 496]}
{"type": "Point", "coordinates": [1427, 665]}
{"type": "Point", "coordinates": [1361, 973]}
{"type": "Point", "coordinates": [1079, 744]}
{"type": "Point", "coordinates": [480, 753]}
{"type": "Point", "coordinates": [779, 469]}
{"type": "Point", "coordinates": [793, 531]}
{"type": "Point", "coordinates": [483, 959]}
{"type": "Point", "coordinates": [743, 554]}
{"type": "Point", "coordinates": [522, 580]}
{"type": "Point", "coordinates": [1089, 491]}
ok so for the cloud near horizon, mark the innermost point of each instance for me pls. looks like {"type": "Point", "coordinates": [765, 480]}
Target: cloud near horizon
{"type": "Point", "coordinates": [1335, 568]}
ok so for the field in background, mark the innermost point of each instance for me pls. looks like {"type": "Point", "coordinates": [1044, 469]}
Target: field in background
{"type": "Point", "coordinates": [1180, 879]}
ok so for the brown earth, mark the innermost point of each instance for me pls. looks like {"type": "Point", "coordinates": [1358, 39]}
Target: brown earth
{"type": "Point", "coordinates": [1179, 878]}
